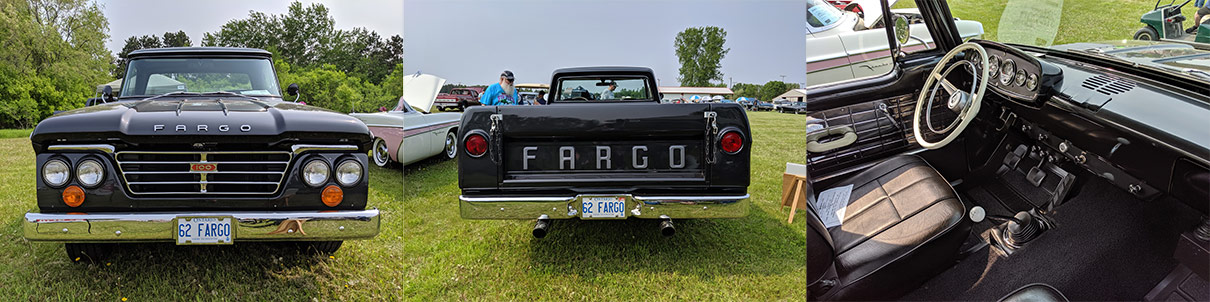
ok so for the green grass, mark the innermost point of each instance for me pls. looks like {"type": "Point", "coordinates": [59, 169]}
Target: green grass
{"type": "Point", "coordinates": [1080, 21]}
{"type": "Point", "coordinates": [15, 133]}
{"type": "Point", "coordinates": [426, 252]}
{"type": "Point", "coordinates": [756, 258]}
{"type": "Point", "coordinates": [361, 270]}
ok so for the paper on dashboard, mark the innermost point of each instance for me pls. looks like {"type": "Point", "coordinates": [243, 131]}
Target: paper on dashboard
{"type": "Point", "coordinates": [831, 205]}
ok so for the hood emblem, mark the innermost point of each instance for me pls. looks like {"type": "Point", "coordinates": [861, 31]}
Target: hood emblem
{"type": "Point", "coordinates": [201, 128]}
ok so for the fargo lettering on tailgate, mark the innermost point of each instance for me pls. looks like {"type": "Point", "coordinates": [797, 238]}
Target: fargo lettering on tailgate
{"type": "Point", "coordinates": [602, 157]}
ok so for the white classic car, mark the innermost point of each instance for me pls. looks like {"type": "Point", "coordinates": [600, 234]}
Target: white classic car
{"type": "Point", "coordinates": [841, 47]}
{"type": "Point", "coordinates": [408, 134]}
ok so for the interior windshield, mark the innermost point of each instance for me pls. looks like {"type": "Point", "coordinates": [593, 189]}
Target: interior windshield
{"type": "Point", "coordinates": [1168, 35]}
{"type": "Point", "coordinates": [604, 89]}
{"type": "Point", "coordinates": [253, 77]}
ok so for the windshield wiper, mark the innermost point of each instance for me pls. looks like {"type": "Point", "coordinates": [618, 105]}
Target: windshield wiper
{"type": "Point", "coordinates": [186, 93]}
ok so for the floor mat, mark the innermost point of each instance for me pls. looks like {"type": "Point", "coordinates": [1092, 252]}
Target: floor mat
{"type": "Point", "coordinates": [1107, 245]}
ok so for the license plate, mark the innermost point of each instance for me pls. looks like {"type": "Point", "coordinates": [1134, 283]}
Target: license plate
{"type": "Point", "coordinates": [203, 230]}
{"type": "Point", "coordinates": [603, 207]}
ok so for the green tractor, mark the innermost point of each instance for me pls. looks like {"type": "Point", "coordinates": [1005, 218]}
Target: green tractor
{"type": "Point", "coordinates": [1166, 23]}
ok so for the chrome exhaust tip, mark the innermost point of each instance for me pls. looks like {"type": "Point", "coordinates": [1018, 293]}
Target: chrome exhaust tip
{"type": "Point", "coordinates": [540, 227]}
{"type": "Point", "coordinates": [666, 227]}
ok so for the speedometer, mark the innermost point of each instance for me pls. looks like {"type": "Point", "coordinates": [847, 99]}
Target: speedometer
{"type": "Point", "coordinates": [1007, 70]}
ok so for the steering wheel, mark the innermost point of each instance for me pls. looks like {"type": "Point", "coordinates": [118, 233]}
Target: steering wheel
{"type": "Point", "coordinates": [965, 103]}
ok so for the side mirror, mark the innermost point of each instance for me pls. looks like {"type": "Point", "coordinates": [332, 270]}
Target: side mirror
{"type": "Point", "coordinates": [107, 94]}
{"type": "Point", "coordinates": [293, 90]}
{"type": "Point", "coordinates": [903, 34]}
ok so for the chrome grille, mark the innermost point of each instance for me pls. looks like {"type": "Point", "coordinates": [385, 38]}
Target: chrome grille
{"type": "Point", "coordinates": [203, 173]}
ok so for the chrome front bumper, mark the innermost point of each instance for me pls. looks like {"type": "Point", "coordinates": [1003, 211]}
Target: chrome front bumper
{"type": "Point", "coordinates": [161, 226]}
{"type": "Point", "coordinates": [676, 207]}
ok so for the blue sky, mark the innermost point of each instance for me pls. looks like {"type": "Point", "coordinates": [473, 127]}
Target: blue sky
{"type": "Point", "coordinates": [472, 41]}
{"type": "Point", "coordinates": [155, 17]}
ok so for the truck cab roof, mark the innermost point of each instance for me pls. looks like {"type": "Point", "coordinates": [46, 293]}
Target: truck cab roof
{"type": "Point", "coordinates": [200, 51]}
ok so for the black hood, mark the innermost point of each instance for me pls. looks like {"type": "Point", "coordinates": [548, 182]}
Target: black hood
{"type": "Point", "coordinates": [201, 120]}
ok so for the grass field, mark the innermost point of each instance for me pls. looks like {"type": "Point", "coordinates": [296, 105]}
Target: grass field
{"type": "Point", "coordinates": [361, 270]}
{"type": "Point", "coordinates": [426, 252]}
{"type": "Point", "coordinates": [756, 258]}
{"type": "Point", "coordinates": [1081, 21]}
{"type": "Point", "coordinates": [15, 133]}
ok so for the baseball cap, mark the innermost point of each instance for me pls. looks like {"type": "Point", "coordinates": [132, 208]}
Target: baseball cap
{"type": "Point", "coordinates": [507, 75]}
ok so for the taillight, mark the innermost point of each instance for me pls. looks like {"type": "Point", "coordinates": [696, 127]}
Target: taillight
{"type": "Point", "coordinates": [732, 142]}
{"type": "Point", "coordinates": [476, 145]}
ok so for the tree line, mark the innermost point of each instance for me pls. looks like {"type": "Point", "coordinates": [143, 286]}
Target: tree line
{"type": "Point", "coordinates": [52, 56]}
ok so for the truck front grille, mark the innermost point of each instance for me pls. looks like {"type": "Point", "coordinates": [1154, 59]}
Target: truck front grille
{"type": "Point", "coordinates": [203, 173]}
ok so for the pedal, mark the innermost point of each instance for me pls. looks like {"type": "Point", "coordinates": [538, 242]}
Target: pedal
{"type": "Point", "coordinates": [1035, 176]}
{"type": "Point", "coordinates": [1012, 159]}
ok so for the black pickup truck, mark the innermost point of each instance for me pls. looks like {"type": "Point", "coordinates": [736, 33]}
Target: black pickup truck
{"type": "Point", "coordinates": [200, 148]}
{"type": "Point", "coordinates": [605, 148]}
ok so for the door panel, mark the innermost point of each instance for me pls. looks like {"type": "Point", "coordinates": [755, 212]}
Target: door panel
{"type": "Point", "coordinates": [883, 129]}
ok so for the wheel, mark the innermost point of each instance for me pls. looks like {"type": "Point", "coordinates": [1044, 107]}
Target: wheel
{"type": "Point", "coordinates": [965, 103]}
{"type": "Point", "coordinates": [319, 247]}
{"type": "Point", "coordinates": [382, 156]}
{"type": "Point", "coordinates": [87, 252]}
{"type": "Point", "coordinates": [451, 144]}
{"type": "Point", "coordinates": [1147, 33]}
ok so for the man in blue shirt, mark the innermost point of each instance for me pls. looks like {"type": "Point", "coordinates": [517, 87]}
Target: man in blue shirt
{"type": "Point", "coordinates": [1203, 9]}
{"type": "Point", "coordinates": [502, 93]}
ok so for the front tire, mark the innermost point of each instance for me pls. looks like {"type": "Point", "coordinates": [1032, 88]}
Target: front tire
{"type": "Point", "coordinates": [381, 154]}
{"type": "Point", "coordinates": [1147, 33]}
{"type": "Point", "coordinates": [451, 144]}
{"type": "Point", "coordinates": [87, 252]}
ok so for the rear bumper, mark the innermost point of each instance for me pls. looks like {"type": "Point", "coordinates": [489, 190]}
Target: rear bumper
{"type": "Point", "coordinates": [652, 207]}
{"type": "Point", "coordinates": [161, 226]}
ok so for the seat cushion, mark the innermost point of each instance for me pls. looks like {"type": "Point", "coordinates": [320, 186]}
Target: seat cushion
{"type": "Point", "coordinates": [1037, 292]}
{"type": "Point", "coordinates": [903, 225]}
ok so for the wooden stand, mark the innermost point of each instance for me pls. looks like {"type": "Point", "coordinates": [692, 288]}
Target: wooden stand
{"type": "Point", "coordinates": [793, 193]}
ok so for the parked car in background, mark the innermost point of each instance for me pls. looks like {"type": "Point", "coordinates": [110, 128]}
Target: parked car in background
{"type": "Point", "coordinates": [588, 158]}
{"type": "Point", "coordinates": [408, 133]}
{"type": "Point", "coordinates": [458, 98]}
{"type": "Point", "coordinates": [793, 107]}
{"type": "Point", "coordinates": [844, 47]}
{"type": "Point", "coordinates": [759, 105]}
{"type": "Point", "coordinates": [198, 165]}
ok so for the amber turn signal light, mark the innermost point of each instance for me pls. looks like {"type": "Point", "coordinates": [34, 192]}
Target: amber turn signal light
{"type": "Point", "coordinates": [332, 195]}
{"type": "Point", "coordinates": [73, 196]}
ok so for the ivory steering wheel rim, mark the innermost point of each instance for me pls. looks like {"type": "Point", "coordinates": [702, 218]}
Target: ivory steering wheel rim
{"type": "Point", "coordinates": [936, 80]}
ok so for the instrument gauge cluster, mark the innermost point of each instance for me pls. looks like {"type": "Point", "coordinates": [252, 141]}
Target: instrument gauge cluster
{"type": "Point", "coordinates": [1013, 73]}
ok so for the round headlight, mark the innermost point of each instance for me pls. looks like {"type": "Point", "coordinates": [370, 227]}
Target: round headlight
{"type": "Point", "coordinates": [348, 173]}
{"type": "Point", "coordinates": [90, 173]}
{"type": "Point", "coordinates": [315, 173]}
{"type": "Point", "coordinates": [56, 172]}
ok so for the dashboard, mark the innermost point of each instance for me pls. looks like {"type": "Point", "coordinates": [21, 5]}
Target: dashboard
{"type": "Point", "coordinates": [1016, 75]}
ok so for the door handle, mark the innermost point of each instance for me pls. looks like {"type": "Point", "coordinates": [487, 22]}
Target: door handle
{"type": "Point", "coordinates": [846, 133]}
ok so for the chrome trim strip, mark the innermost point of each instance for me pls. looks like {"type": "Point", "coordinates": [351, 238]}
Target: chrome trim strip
{"type": "Point", "coordinates": [209, 161]}
{"type": "Point", "coordinates": [515, 199]}
{"type": "Point", "coordinates": [161, 226]}
{"type": "Point", "coordinates": [308, 148]}
{"type": "Point", "coordinates": [202, 182]}
{"type": "Point", "coordinates": [198, 172]}
{"type": "Point", "coordinates": [98, 147]}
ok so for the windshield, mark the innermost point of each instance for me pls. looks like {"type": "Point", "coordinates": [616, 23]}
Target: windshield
{"type": "Point", "coordinates": [603, 89]}
{"type": "Point", "coordinates": [820, 13]}
{"type": "Point", "coordinates": [1156, 35]}
{"type": "Point", "coordinates": [253, 77]}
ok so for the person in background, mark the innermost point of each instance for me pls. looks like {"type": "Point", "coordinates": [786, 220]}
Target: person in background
{"type": "Point", "coordinates": [541, 97]}
{"type": "Point", "coordinates": [502, 93]}
{"type": "Point", "coordinates": [608, 93]}
{"type": "Point", "coordinates": [1203, 9]}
